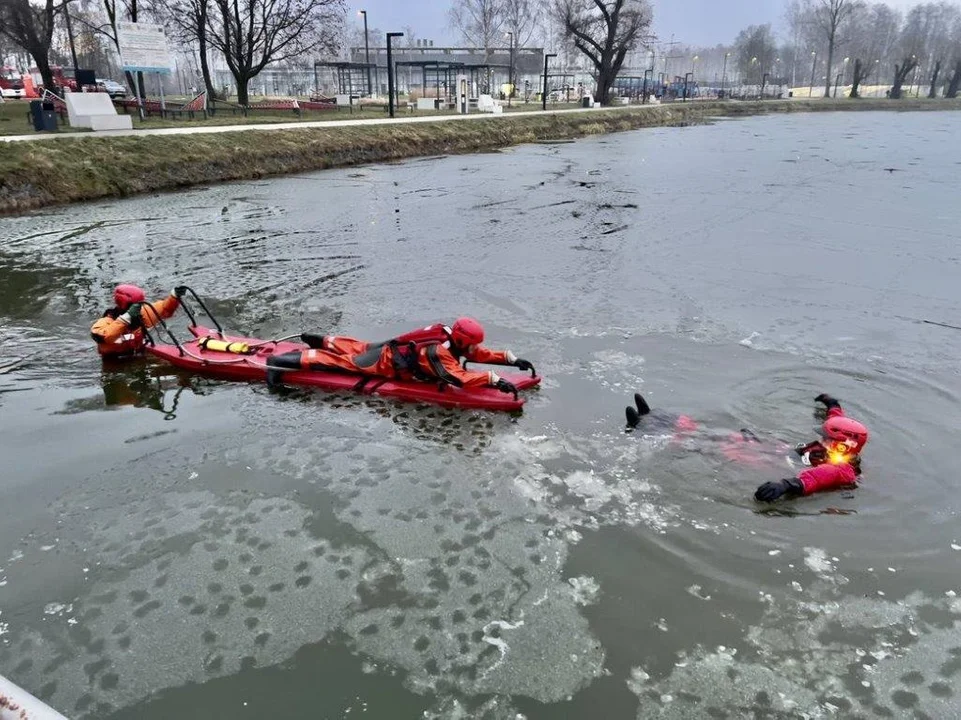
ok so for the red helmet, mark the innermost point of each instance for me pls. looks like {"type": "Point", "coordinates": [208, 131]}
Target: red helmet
{"type": "Point", "coordinates": [126, 295]}
{"type": "Point", "coordinates": [850, 433]}
{"type": "Point", "coordinates": [467, 332]}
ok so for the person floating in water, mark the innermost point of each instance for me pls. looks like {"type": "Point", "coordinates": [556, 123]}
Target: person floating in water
{"type": "Point", "coordinates": [435, 352]}
{"type": "Point", "coordinates": [119, 332]}
{"type": "Point", "coordinates": [743, 446]}
{"type": "Point", "coordinates": [835, 460]}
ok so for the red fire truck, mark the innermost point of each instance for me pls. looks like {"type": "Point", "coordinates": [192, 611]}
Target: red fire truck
{"type": "Point", "coordinates": [11, 83]}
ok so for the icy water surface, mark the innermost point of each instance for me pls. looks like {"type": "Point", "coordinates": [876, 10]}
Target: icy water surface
{"type": "Point", "coordinates": [175, 547]}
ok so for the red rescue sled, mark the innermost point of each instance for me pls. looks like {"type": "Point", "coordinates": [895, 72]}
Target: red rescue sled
{"type": "Point", "coordinates": [191, 355]}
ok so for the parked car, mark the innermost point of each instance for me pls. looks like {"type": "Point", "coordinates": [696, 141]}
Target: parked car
{"type": "Point", "coordinates": [113, 89]}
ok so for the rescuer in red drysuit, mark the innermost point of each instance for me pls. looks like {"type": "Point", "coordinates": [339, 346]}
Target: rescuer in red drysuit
{"type": "Point", "coordinates": [835, 461]}
{"type": "Point", "coordinates": [742, 446]}
{"type": "Point", "coordinates": [120, 331]}
{"type": "Point", "coordinates": [431, 353]}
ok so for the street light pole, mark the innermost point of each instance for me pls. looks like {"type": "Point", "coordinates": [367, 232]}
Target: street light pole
{"type": "Point", "coordinates": [814, 62]}
{"type": "Point", "coordinates": [547, 57]}
{"type": "Point", "coordinates": [510, 72]}
{"type": "Point", "coordinates": [390, 73]}
{"type": "Point", "coordinates": [370, 84]}
{"type": "Point", "coordinates": [724, 72]}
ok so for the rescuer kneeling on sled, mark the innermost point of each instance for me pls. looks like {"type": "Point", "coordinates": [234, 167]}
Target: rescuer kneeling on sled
{"type": "Point", "coordinates": [120, 331]}
{"type": "Point", "coordinates": [835, 460]}
{"type": "Point", "coordinates": [432, 353]}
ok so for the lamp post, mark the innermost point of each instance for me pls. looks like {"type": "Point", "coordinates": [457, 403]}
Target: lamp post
{"type": "Point", "coordinates": [547, 57]}
{"type": "Point", "coordinates": [510, 71]}
{"type": "Point", "coordinates": [390, 73]}
{"type": "Point", "coordinates": [724, 72]}
{"type": "Point", "coordinates": [877, 75]}
{"type": "Point", "coordinates": [370, 84]}
{"type": "Point", "coordinates": [693, 62]}
{"type": "Point", "coordinates": [763, 83]}
{"type": "Point", "coordinates": [814, 62]}
{"type": "Point", "coordinates": [844, 71]}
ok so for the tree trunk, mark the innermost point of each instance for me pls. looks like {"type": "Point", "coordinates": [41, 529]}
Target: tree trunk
{"type": "Point", "coordinates": [828, 78]}
{"type": "Point", "coordinates": [952, 91]}
{"type": "Point", "coordinates": [43, 65]}
{"type": "Point", "coordinates": [202, 42]}
{"type": "Point", "coordinates": [605, 81]}
{"type": "Point", "coordinates": [861, 72]}
{"type": "Point", "coordinates": [205, 70]}
{"type": "Point", "coordinates": [242, 96]}
{"type": "Point", "coordinates": [933, 92]}
{"type": "Point", "coordinates": [901, 72]}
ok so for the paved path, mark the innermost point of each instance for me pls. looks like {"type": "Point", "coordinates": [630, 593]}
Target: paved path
{"type": "Point", "coordinates": [190, 130]}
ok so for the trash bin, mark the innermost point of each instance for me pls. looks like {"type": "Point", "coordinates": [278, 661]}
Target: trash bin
{"type": "Point", "coordinates": [49, 114]}
{"type": "Point", "coordinates": [43, 115]}
{"type": "Point", "coordinates": [36, 114]}
{"type": "Point", "coordinates": [586, 101]}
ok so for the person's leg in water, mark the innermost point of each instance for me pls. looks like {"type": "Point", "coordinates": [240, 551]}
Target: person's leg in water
{"type": "Point", "coordinates": [655, 420]}
{"type": "Point", "coordinates": [634, 415]}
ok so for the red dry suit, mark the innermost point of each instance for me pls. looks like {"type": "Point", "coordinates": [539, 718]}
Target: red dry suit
{"type": "Point", "coordinates": [427, 353]}
{"type": "Point", "coordinates": [829, 471]}
{"type": "Point", "coordinates": [116, 334]}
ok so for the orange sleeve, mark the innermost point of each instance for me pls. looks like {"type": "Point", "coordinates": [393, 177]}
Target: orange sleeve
{"type": "Point", "coordinates": [436, 360]}
{"type": "Point", "coordinates": [482, 354]}
{"type": "Point", "coordinates": [164, 308]}
{"type": "Point", "coordinates": [108, 330]}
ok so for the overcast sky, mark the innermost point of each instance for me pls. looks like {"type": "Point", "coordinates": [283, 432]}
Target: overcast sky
{"type": "Point", "coordinates": [694, 22]}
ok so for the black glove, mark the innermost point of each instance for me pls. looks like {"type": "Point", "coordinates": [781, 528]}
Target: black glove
{"type": "Point", "coordinates": [828, 401]}
{"type": "Point", "coordinates": [180, 291]}
{"type": "Point", "coordinates": [773, 489]}
{"type": "Point", "coordinates": [133, 312]}
{"type": "Point", "coordinates": [524, 365]}
{"type": "Point", "coordinates": [506, 387]}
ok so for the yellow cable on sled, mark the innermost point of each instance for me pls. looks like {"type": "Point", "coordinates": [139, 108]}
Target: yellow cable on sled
{"type": "Point", "coordinates": [238, 348]}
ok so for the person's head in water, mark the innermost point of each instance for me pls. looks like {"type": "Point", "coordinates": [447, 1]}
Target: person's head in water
{"type": "Point", "coordinates": [843, 438]}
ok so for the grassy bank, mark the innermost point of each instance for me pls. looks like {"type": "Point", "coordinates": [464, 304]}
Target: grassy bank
{"type": "Point", "coordinates": [36, 174]}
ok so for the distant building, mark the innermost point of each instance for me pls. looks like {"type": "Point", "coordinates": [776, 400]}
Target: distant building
{"type": "Point", "coordinates": [427, 66]}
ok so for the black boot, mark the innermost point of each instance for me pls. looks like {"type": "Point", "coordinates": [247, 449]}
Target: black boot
{"type": "Point", "coordinates": [314, 342]}
{"type": "Point", "coordinates": [275, 378]}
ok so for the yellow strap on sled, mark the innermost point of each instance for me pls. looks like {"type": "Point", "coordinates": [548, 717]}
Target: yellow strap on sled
{"type": "Point", "coordinates": [238, 348]}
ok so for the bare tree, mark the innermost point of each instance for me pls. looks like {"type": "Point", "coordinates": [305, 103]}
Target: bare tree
{"type": "Point", "coordinates": [190, 23]}
{"type": "Point", "coordinates": [604, 31]}
{"type": "Point", "coordinates": [832, 16]}
{"type": "Point", "coordinates": [519, 18]}
{"type": "Point", "coordinates": [875, 30]}
{"type": "Point", "coordinates": [953, 85]}
{"type": "Point", "coordinates": [901, 73]}
{"type": "Point", "coordinates": [861, 71]}
{"type": "Point", "coordinates": [755, 50]}
{"type": "Point", "coordinates": [254, 33]}
{"type": "Point", "coordinates": [478, 21]}
{"type": "Point", "coordinates": [31, 27]}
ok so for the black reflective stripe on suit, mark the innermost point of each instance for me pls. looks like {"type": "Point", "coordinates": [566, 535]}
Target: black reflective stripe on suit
{"type": "Point", "coordinates": [438, 367]}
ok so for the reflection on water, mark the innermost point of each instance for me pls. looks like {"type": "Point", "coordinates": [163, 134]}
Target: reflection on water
{"type": "Point", "coordinates": [184, 547]}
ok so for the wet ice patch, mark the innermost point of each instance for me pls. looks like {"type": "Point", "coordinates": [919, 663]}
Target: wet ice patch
{"type": "Point", "coordinates": [584, 589]}
{"type": "Point", "coordinates": [190, 589]}
{"type": "Point", "coordinates": [617, 370]}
